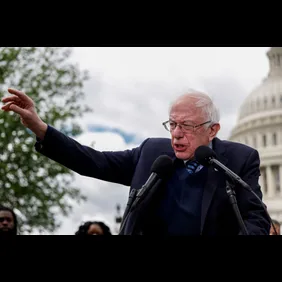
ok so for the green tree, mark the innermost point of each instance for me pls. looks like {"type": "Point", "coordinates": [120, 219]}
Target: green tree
{"type": "Point", "coordinates": [38, 187]}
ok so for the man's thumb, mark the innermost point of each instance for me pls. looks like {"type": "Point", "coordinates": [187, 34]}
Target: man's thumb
{"type": "Point", "coordinates": [17, 109]}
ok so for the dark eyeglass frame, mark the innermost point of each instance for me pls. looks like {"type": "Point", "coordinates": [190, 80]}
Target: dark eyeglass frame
{"type": "Point", "coordinates": [187, 127]}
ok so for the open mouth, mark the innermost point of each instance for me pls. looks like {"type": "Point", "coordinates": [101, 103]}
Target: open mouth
{"type": "Point", "coordinates": [179, 147]}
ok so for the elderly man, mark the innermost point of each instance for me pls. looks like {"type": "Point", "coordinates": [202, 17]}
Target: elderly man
{"type": "Point", "coordinates": [193, 200]}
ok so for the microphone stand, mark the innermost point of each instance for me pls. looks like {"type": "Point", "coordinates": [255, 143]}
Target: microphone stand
{"type": "Point", "coordinates": [232, 198]}
{"type": "Point", "coordinates": [132, 197]}
{"type": "Point", "coordinates": [139, 202]}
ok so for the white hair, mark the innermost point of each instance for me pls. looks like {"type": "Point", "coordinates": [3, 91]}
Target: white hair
{"type": "Point", "coordinates": [203, 101]}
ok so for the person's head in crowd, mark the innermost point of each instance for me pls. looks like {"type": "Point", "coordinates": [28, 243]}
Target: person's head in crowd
{"type": "Point", "coordinates": [277, 228]}
{"type": "Point", "coordinates": [8, 221]}
{"type": "Point", "coordinates": [93, 228]}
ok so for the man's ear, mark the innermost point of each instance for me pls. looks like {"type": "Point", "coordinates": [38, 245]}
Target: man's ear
{"type": "Point", "coordinates": [214, 130]}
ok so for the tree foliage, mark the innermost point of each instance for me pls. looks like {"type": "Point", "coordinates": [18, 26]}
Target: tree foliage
{"type": "Point", "coordinates": [39, 188]}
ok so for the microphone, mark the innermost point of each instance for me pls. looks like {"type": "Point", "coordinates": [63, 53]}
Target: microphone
{"type": "Point", "coordinates": [160, 170]}
{"type": "Point", "coordinates": [206, 157]}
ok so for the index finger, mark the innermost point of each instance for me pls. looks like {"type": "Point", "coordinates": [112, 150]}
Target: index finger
{"type": "Point", "coordinates": [20, 94]}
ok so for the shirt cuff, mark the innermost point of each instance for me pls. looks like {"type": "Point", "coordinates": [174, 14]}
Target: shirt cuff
{"type": "Point", "coordinates": [40, 142]}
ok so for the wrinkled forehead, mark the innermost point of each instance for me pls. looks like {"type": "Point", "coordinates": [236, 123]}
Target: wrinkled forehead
{"type": "Point", "coordinates": [186, 109]}
{"type": "Point", "coordinates": [186, 103]}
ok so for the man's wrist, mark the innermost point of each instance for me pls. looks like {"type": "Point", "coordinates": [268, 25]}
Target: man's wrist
{"type": "Point", "coordinates": [41, 130]}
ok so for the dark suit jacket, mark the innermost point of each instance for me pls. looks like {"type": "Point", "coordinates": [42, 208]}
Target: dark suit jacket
{"type": "Point", "coordinates": [132, 168]}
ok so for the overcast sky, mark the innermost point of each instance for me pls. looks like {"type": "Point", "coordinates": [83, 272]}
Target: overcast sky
{"type": "Point", "coordinates": [130, 90]}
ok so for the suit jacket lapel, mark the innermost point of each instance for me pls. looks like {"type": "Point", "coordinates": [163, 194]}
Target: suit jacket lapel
{"type": "Point", "coordinates": [209, 189]}
{"type": "Point", "coordinates": [212, 181]}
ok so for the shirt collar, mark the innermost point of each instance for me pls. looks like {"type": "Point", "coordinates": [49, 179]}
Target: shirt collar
{"type": "Point", "coordinates": [210, 145]}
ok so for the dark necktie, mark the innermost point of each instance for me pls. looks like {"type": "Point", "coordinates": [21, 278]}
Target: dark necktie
{"type": "Point", "coordinates": [191, 166]}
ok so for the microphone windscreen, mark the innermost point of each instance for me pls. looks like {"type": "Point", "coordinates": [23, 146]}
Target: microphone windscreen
{"type": "Point", "coordinates": [162, 166]}
{"type": "Point", "coordinates": [203, 154]}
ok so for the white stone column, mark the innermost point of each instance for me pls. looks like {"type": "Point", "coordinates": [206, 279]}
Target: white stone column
{"type": "Point", "coordinates": [270, 182]}
{"type": "Point", "coordinates": [255, 140]}
{"type": "Point", "coordinates": [269, 139]}
{"type": "Point", "coordinates": [280, 178]}
{"type": "Point", "coordinates": [259, 140]}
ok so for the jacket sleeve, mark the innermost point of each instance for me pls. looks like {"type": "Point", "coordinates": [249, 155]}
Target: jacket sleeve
{"type": "Point", "coordinates": [255, 218]}
{"type": "Point", "coordinates": [110, 166]}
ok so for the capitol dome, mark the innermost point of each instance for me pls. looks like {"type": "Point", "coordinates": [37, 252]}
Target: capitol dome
{"type": "Point", "coordinates": [259, 125]}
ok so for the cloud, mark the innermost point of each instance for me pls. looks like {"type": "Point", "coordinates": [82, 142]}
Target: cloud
{"type": "Point", "coordinates": [131, 88]}
{"type": "Point", "coordinates": [128, 138]}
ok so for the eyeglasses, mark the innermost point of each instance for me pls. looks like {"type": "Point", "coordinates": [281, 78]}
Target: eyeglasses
{"type": "Point", "coordinates": [171, 125]}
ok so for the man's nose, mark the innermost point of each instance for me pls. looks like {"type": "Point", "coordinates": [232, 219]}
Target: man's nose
{"type": "Point", "coordinates": [177, 132]}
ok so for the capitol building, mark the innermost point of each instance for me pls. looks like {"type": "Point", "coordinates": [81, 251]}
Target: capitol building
{"type": "Point", "coordinates": [259, 125]}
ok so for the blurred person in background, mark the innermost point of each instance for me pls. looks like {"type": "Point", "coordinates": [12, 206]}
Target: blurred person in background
{"type": "Point", "coordinates": [8, 221]}
{"type": "Point", "coordinates": [277, 228]}
{"type": "Point", "coordinates": [93, 228]}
